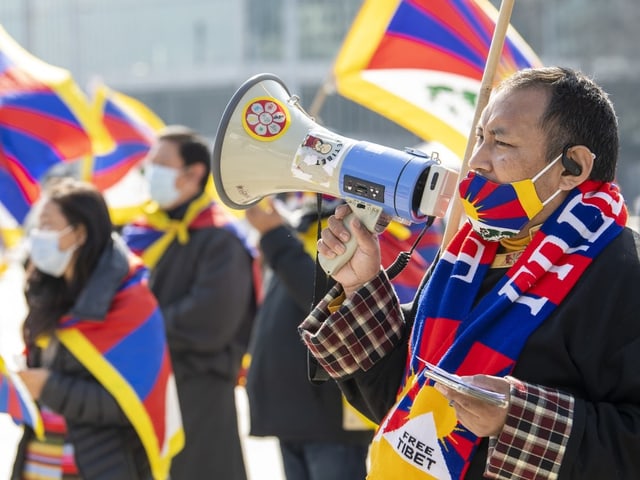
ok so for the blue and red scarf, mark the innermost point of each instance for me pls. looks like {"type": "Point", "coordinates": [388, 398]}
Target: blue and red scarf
{"type": "Point", "coordinates": [420, 438]}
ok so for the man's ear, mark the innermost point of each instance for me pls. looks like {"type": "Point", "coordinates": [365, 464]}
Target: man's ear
{"type": "Point", "coordinates": [578, 163]}
{"type": "Point", "coordinates": [197, 171]}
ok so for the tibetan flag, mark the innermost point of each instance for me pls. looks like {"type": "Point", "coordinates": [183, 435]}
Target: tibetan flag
{"type": "Point", "coordinates": [45, 120]}
{"type": "Point", "coordinates": [400, 238]}
{"type": "Point", "coordinates": [420, 63]}
{"type": "Point", "coordinates": [17, 402]}
{"type": "Point", "coordinates": [127, 353]}
{"type": "Point", "coordinates": [133, 127]}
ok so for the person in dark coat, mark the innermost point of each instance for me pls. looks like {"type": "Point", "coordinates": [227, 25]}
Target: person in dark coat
{"type": "Point", "coordinates": [85, 293]}
{"type": "Point", "coordinates": [310, 421]}
{"type": "Point", "coordinates": [202, 275]}
{"type": "Point", "coordinates": [533, 300]}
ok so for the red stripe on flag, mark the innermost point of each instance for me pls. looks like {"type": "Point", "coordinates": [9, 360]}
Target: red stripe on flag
{"type": "Point", "coordinates": [122, 130]}
{"type": "Point", "coordinates": [396, 52]}
{"type": "Point", "coordinates": [155, 403]}
{"type": "Point", "coordinates": [442, 332]}
{"type": "Point", "coordinates": [25, 182]}
{"type": "Point", "coordinates": [67, 140]}
{"type": "Point", "coordinates": [130, 309]}
{"type": "Point", "coordinates": [106, 178]}
{"type": "Point", "coordinates": [14, 407]}
{"type": "Point", "coordinates": [492, 361]}
{"type": "Point", "coordinates": [449, 16]}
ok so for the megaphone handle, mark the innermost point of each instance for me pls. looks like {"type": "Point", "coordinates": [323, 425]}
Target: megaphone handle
{"type": "Point", "coordinates": [369, 215]}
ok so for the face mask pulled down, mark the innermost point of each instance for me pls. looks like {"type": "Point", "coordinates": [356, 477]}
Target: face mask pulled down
{"type": "Point", "coordinates": [46, 254]}
{"type": "Point", "coordinates": [501, 210]}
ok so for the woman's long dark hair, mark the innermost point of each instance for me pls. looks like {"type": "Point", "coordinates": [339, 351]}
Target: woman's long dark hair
{"type": "Point", "coordinates": [49, 297]}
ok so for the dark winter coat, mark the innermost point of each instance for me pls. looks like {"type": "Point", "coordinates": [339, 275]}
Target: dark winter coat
{"type": "Point", "coordinates": [283, 402]}
{"type": "Point", "coordinates": [206, 293]}
{"type": "Point", "coordinates": [588, 347]}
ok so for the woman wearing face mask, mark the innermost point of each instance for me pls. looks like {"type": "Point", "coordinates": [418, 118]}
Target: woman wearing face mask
{"type": "Point", "coordinates": [91, 318]}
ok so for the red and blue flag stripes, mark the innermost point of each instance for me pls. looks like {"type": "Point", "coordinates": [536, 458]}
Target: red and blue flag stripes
{"type": "Point", "coordinates": [507, 210]}
{"type": "Point", "coordinates": [127, 352]}
{"type": "Point", "coordinates": [443, 35]}
{"type": "Point", "coordinates": [420, 63]}
{"type": "Point", "coordinates": [44, 121]}
{"type": "Point", "coordinates": [16, 401]}
{"type": "Point", "coordinates": [133, 129]}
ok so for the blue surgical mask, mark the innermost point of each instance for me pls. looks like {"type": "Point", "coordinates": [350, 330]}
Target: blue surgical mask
{"type": "Point", "coordinates": [45, 252]}
{"type": "Point", "coordinates": [162, 184]}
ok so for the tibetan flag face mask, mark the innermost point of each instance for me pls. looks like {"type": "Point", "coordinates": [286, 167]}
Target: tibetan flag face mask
{"type": "Point", "coordinates": [501, 210]}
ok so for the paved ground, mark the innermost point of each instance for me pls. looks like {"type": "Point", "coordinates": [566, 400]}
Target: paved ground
{"type": "Point", "coordinates": [261, 455]}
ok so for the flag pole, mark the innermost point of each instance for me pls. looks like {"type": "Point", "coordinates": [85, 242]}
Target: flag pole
{"type": "Point", "coordinates": [327, 87]}
{"type": "Point", "coordinates": [493, 59]}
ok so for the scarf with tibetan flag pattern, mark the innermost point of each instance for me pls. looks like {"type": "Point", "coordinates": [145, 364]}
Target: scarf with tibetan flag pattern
{"type": "Point", "coordinates": [150, 236]}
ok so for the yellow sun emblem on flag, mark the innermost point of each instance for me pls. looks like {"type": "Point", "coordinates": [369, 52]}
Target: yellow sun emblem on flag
{"type": "Point", "coordinates": [387, 457]}
{"type": "Point", "coordinates": [472, 211]}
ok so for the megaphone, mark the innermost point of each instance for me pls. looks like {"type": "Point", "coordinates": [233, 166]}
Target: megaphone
{"type": "Point", "coordinates": [266, 144]}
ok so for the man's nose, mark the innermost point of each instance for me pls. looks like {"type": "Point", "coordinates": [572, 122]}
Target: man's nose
{"type": "Point", "coordinates": [480, 160]}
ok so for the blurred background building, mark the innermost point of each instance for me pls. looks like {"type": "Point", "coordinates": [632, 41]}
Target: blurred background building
{"type": "Point", "coordinates": [185, 59]}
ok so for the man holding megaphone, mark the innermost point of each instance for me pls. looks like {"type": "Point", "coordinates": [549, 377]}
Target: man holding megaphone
{"type": "Point", "coordinates": [527, 323]}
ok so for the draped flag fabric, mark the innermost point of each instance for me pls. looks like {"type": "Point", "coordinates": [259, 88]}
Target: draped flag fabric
{"type": "Point", "coordinates": [420, 63]}
{"type": "Point", "coordinates": [17, 402]}
{"type": "Point", "coordinates": [133, 128]}
{"type": "Point", "coordinates": [128, 354]}
{"type": "Point", "coordinates": [151, 234]}
{"type": "Point", "coordinates": [45, 120]}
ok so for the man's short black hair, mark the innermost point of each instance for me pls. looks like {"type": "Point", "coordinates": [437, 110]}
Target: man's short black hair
{"type": "Point", "coordinates": [579, 112]}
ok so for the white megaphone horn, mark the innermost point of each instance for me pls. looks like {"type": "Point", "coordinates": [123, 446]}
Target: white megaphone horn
{"type": "Point", "coordinates": [266, 144]}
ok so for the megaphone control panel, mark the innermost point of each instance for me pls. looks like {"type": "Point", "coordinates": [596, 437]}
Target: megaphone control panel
{"type": "Point", "coordinates": [363, 188]}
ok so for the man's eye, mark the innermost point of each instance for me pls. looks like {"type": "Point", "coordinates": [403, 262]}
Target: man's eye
{"type": "Point", "coordinates": [502, 144]}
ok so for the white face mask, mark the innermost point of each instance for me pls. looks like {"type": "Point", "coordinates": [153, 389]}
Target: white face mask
{"type": "Point", "coordinates": [162, 184]}
{"type": "Point", "coordinates": [45, 252]}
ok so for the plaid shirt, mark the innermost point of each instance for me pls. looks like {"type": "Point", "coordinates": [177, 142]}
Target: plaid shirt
{"type": "Point", "coordinates": [347, 335]}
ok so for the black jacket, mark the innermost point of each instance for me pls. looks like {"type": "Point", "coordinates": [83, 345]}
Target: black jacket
{"type": "Point", "coordinates": [106, 446]}
{"type": "Point", "coordinates": [282, 401]}
{"type": "Point", "coordinates": [588, 347]}
{"type": "Point", "coordinates": [205, 289]}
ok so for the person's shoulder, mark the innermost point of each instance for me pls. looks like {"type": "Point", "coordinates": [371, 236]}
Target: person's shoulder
{"type": "Point", "coordinates": [220, 232]}
{"type": "Point", "coordinates": [627, 243]}
{"type": "Point", "coordinates": [214, 240]}
{"type": "Point", "coordinates": [623, 252]}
